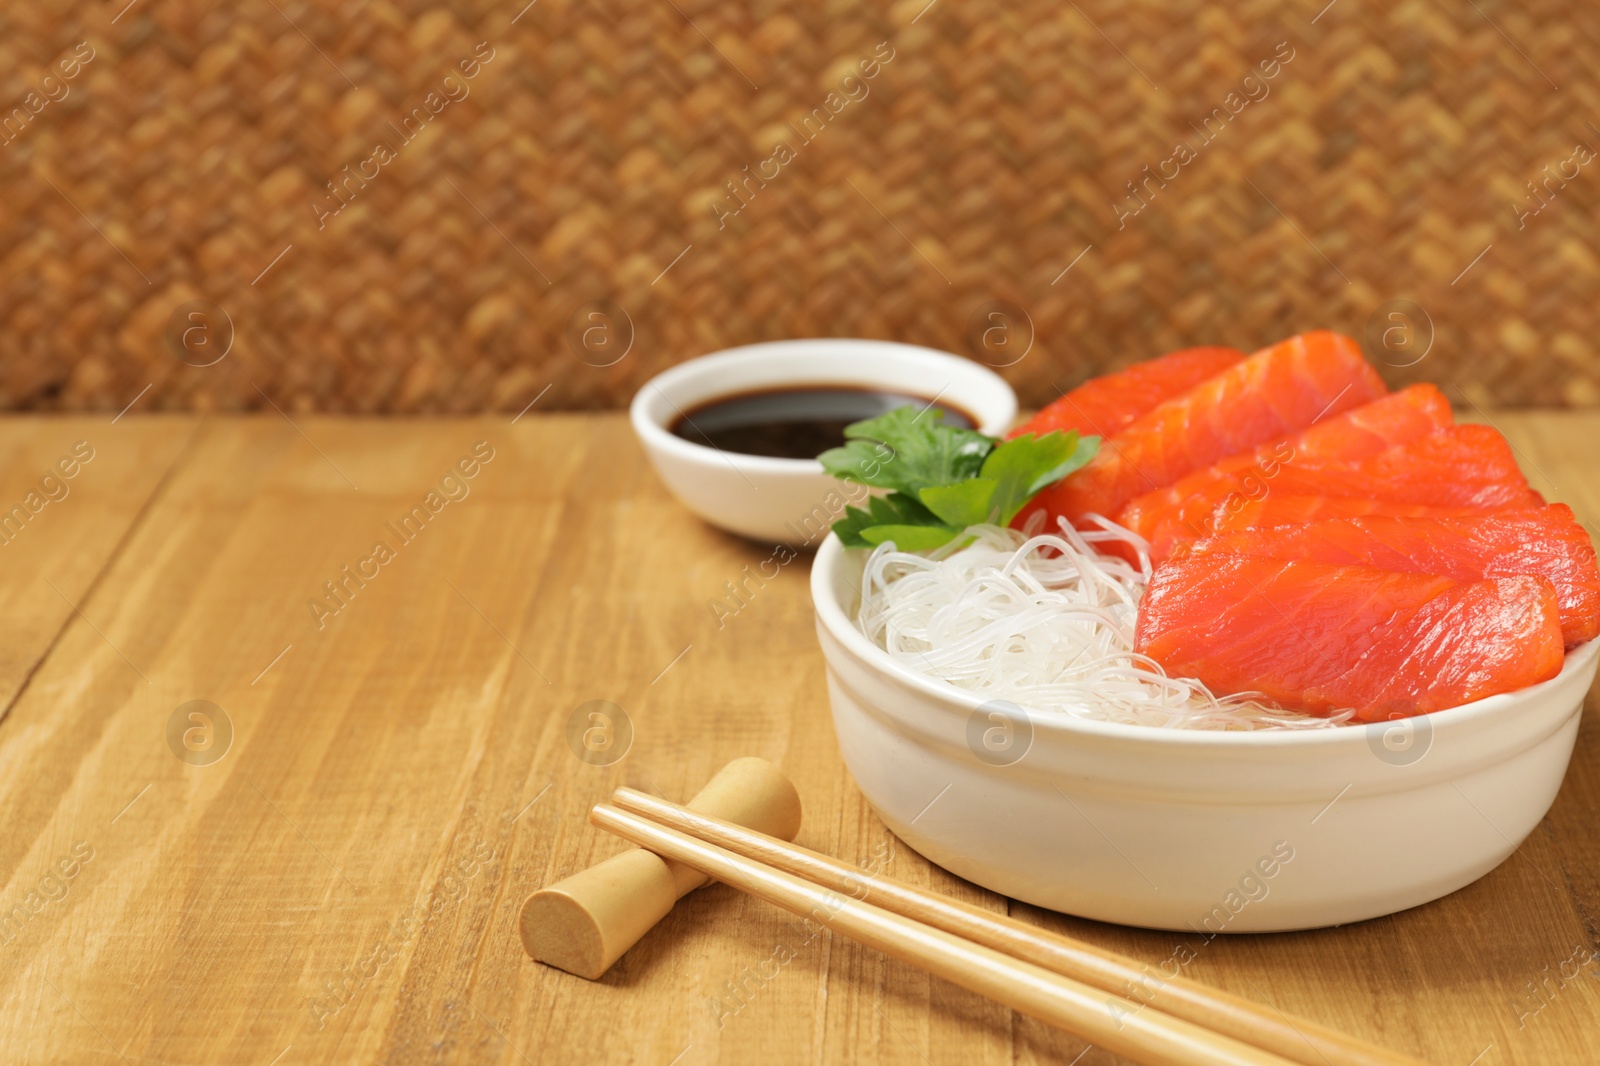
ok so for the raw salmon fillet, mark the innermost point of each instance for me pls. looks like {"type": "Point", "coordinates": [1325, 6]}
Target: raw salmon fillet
{"type": "Point", "coordinates": [1279, 509]}
{"type": "Point", "coordinates": [1275, 392]}
{"type": "Point", "coordinates": [1183, 510]}
{"type": "Point", "coordinates": [1545, 542]}
{"type": "Point", "coordinates": [1105, 404]}
{"type": "Point", "coordinates": [1320, 638]}
{"type": "Point", "coordinates": [1460, 466]}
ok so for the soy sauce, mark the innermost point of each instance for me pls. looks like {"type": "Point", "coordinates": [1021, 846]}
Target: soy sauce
{"type": "Point", "coordinates": [796, 422]}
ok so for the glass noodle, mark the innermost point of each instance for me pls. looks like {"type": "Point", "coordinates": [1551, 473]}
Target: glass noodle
{"type": "Point", "coordinates": [1046, 622]}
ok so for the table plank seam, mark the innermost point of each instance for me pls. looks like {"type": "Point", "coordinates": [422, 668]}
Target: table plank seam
{"type": "Point", "coordinates": [104, 569]}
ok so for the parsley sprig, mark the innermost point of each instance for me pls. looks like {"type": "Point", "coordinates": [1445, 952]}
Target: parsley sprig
{"type": "Point", "coordinates": [942, 479]}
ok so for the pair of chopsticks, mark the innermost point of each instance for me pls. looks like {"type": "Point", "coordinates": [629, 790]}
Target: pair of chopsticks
{"type": "Point", "coordinates": [1067, 983]}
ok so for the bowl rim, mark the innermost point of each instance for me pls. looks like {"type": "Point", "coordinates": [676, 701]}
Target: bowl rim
{"type": "Point", "coordinates": [656, 435]}
{"type": "Point", "coordinates": [832, 616]}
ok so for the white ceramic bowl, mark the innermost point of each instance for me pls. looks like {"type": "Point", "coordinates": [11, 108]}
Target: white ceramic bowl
{"type": "Point", "coordinates": [792, 501]}
{"type": "Point", "coordinates": [1191, 830]}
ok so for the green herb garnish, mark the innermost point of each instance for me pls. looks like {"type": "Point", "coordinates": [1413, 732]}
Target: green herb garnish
{"type": "Point", "coordinates": [941, 478]}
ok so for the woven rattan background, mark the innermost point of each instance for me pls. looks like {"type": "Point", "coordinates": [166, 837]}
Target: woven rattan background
{"type": "Point", "coordinates": [586, 158]}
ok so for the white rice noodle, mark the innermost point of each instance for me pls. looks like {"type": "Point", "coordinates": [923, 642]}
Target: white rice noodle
{"type": "Point", "coordinates": [1046, 622]}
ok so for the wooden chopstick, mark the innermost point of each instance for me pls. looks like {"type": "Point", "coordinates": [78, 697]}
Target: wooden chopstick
{"type": "Point", "coordinates": [1295, 1039]}
{"type": "Point", "coordinates": [1118, 1025]}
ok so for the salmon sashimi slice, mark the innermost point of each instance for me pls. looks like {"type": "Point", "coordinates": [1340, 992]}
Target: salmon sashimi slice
{"type": "Point", "coordinates": [1320, 638]}
{"type": "Point", "coordinates": [1460, 466]}
{"type": "Point", "coordinates": [1479, 639]}
{"type": "Point", "coordinates": [1280, 509]}
{"type": "Point", "coordinates": [1275, 392]}
{"type": "Point", "coordinates": [1545, 542]}
{"type": "Point", "coordinates": [1183, 510]}
{"type": "Point", "coordinates": [1103, 405]}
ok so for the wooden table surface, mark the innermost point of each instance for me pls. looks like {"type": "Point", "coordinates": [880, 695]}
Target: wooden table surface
{"type": "Point", "coordinates": [339, 880]}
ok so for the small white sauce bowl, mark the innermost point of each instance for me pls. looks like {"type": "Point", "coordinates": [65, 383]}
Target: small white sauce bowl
{"type": "Point", "coordinates": [791, 501]}
{"type": "Point", "coordinates": [1187, 829]}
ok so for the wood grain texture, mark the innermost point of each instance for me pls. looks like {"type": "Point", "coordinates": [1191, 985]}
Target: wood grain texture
{"type": "Point", "coordinates": [343, 884]}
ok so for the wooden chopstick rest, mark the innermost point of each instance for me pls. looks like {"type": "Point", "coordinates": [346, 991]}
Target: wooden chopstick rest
{"type": "Point", "coordinates": [583, 923]}
{"type": "Point", "coordinates": [1293, 1038]}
